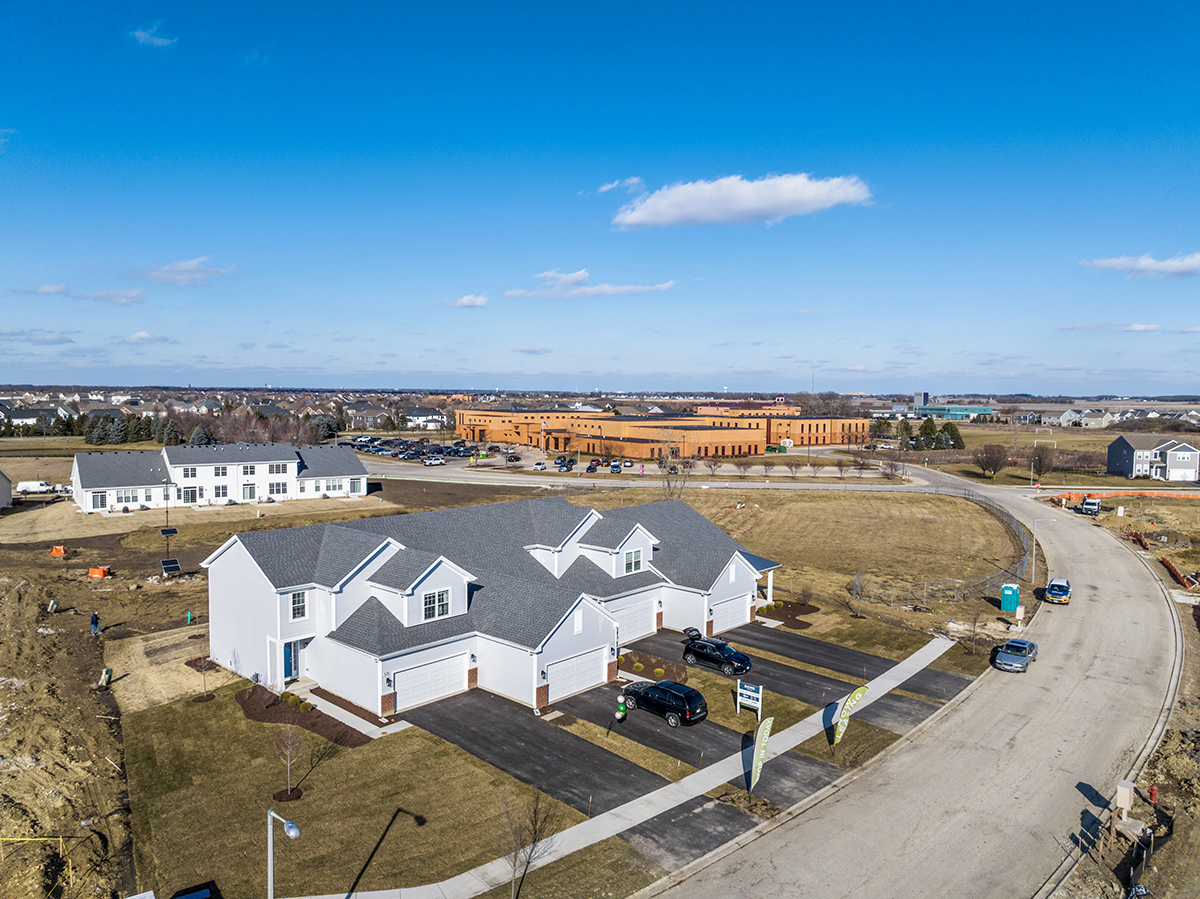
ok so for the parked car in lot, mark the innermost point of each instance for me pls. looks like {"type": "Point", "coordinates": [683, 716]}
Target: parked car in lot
{"type": "Point", "coordinates": [1015, 655]}
{"type": "Point", "coordinates": [433, 460]}
{"type": "Point", "coordinates": [591, 469]}
{"type": "Point", "coordinates": [539, 466]}
{"type": "Point", "coordinates": [714, 653]}
{"type": "Point", "coordinates": [629, 463]}
{"type": "Point", "coordinates": [564, 468]}
{"type": "Point", "coordinates": [1058, 590]}
{"type": "Point", "coordinates": [615, 468]}
{"type": "Point", "coordinates": [673, 702]}
{"type": "Point", "coordinates": [493, 449]}
{"type": "Point", "coordinates": [512, 457]}
{"type": "Point", "coordinates": [561, 460]}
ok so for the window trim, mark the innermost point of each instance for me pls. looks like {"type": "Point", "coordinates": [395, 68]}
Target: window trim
{"type": "Point", "coordinates": [633, 561]}
{"type": "Point", "coordinates": [300, 597]}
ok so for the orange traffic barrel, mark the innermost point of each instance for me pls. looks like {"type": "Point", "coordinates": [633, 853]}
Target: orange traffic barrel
{"type": "Point", "coordinates": [58, 551]}
{"type": "Point", "coordinates": [98, 571]}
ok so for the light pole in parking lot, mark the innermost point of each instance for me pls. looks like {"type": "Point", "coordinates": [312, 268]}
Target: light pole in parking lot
{"type": "Point", "coordinates": [1033, 551]}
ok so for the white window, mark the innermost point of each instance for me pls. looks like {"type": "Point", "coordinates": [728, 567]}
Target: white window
{"type": "Point", "coordinates": [437, 605]}
{"type": "Point", "coordinates": [277, 487]}
{"type": "Point", "coordinates": [277, 468]}
{"type": "Point", "coordinates": [221, 491]}
{"type": "Point", "coordinates": [356, 485]}
{"type": "Point", "coordinates": [299, 606]}
{"type": "Point", "coordinates": [99, 500]}
{"type": "Point", "coordinates": [247, 491]}
{"type": "Point", "coordinates": [220, 471]}
{"type": "Point", "coordinates": [331, 486]}
{"type": "Point", "coordinates": [247, 469]}
{"type": "Point", "coordinates": [189, 471]}
{"type": "Point", "coordinates": [578, 620]}
{"type": "Point", "coordinates": [732, 574]}
{"type": "Point", "coordinates": [125, 497]}
{"type": "Point", "coordinates": [190, 494]}
{"type": "Point", "coordinates": [633, 561]}
{"type": "Point", "coordinates": [301, 486]}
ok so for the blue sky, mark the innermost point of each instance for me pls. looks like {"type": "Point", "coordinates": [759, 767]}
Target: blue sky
{"type": "Point", "coordinates": [868, 197]}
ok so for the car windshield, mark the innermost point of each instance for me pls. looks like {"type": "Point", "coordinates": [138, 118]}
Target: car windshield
{"type": "Point", "coordinates": [725, 651]}
{"type": "Point", "coordinates": [1015, 649]}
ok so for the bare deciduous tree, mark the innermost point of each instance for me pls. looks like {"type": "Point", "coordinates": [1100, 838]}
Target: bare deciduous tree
{"type": "Point", "coordinates": [712, 464]}
{"type": "Point", "coordinates": [1043, 459]}
{"type": "Point", "coordinates": [204, 666]}
{"type": "Point", "coordinates": [290, 745]}
{"type": "Point", "coordinates": [991, 458]}
{"type": "Point", "coordinates": [674, 470]}
{"type": "Point", "coordinates": [531, 825]}
{"type": "Point", "coordinates": [841, 465]}
{"type": "Point", "coordinates": [891, 466]}
{"type": "Point", "coordinates": [794, 466]}
{"type": "Point", "coordinates": [815, 464]}
{"type": "Point", "coordinates": [767, 465]}
{"type": "Point", "coordinates": [742, 466]}
{"type": "Point", "coordinates": [861, 463]}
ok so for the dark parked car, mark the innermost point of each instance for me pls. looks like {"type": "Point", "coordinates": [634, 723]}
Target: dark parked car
{"type": "Point", "coordinates": [674, 702]}
{"type": "Point", "coordinates": [512, 457]}
{"type": "Point", "coordinates": [591, 469]}
{"type": "Point", "coordinates": [493, 449]}
{"type": "Point", "coordinates": [561, 460]}
{"type": "Point", "coordinates": [615, 468]}
{"type": "Point", "coordinates": [1015, 655]}
{"type": "Point", "coordinates": [715, 654]}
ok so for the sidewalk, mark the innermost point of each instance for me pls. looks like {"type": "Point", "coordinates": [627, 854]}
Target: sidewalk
{"type": "Point", "coordinates": [497, 873]}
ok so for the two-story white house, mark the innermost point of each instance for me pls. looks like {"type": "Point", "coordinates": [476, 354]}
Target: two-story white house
{"type": "Point", "coordinates": [529, 599]}
{"type": "Point", "coordinates": [1155, 456]}
{"type": "Point", "coordinates": [214, 475]}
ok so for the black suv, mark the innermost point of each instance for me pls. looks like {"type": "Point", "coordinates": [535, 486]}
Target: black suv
{"type": "Point", "coordinates": [674, 702]}
{"type": "Point", "coordinates": [715, 654]}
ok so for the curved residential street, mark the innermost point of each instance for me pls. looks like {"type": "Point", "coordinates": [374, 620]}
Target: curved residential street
{"type": "Point", "coordinates": [980, 801]}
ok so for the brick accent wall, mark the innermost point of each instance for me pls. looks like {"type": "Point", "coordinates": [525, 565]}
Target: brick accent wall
{"type": "Point", "coordinates": [543, 696]}
{"type": "Point", "coordinates": [612, 671]}
{"type": "Point", "coordinates": [472, 678]}
{"type": "Point", "coordinates": [753, 612]}
{"type": "Point", "coordinates": [658, 620]}
{"type": "Point", "coordinates": [708, 628]}
{"type": "Point", "coordinates": [387, 704]}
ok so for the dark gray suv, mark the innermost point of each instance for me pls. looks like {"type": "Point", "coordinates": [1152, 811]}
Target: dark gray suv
{"type": "Point", "coordinates": [674, 702]}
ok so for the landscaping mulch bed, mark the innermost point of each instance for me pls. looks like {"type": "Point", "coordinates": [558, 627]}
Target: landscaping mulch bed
{"type": "Point", "coordinates": [289, 796]}
{"type": "Point", "coordinates": [792, 613]}
{"type": "Point", "coordinates": [676, 671]}
{"type": "Point", "coordinates": [260, 704]}
{"type": "Point", "coordinates": [357, 711]}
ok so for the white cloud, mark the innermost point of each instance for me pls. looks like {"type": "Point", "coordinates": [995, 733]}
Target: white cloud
{"type": "Point", "coordinates": [571, 284]}
{"type": "Point", "coordinates": [1146, 266]}
{"type": "Point", "coordinates": [118, 297]}
{"type": "Point", "coordinates": [34, 335]}
{"type": "Point", "coordinates": [142, 337]}
{"type": "Point", "coordinates": [633, 185]}
{"type": "Point", "coordinates": [150, 39]}
{"type": "Point", "coordinates": [733, 199]}
{"type": "Point", "coordinates": [187, 273]}
{"type": "Point", "coordinates": [5, 134]}
{"type": "Point", "coordinates": [470, 301]}
{"type": "Point", "coordinates": [1142, 328]}
{"type": "Point", "coordinates": [44, 290]}
{"type": "Point", "coordinates": [1192, 330]}
{"type": "Point", "coordinates": [532, 350]}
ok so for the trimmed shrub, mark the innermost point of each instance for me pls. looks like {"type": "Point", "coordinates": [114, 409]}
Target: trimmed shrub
{"type": "Point", "coordinates": [286, 695]}
{"type": "Point", "coordinates": [293, 699]}
{"type": "Point", "coordinates": [306, 706]}
{"type": "Point", "coordinates": [658, 672]}
{"type": "Point", "coordinates": [638, 666]}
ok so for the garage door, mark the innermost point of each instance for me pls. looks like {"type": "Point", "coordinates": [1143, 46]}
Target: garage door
{"type": "Point", "coordinates": [730, 614]}
{"type": "Point", "coordinates": [576, 673]}
{"type": "Point", "coordinates": [425, 683]}
{"type": "Point", "coordinates": [635, 621]}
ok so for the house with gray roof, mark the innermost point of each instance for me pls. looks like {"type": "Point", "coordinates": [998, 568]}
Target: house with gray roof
{"type": "Point", "coordinates": [1155, 456]}
{"type": "Point", "coordinates": [218, 474]}
{"type": "Point", "coordinates": [530, 599]}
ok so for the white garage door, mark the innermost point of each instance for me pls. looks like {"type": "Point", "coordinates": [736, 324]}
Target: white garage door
{"type": "Point", "coordinates": [424, 683]}
{"type": "Point", "coordinates": [576, 673]}
{"type": "Point", "coordinates": [730, 614]}
{"type": "Point", "coordinates": [635, 621]}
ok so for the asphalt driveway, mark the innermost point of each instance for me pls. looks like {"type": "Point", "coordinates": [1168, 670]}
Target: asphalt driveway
{"type": "Point", "coordinates": [578, 773]}
{"type": "Point", "coordinates": [942, 685]}
{"type": "Point", "coordinates": [786, 779]}
{"type": "Point", "coordinates": [899, 714]}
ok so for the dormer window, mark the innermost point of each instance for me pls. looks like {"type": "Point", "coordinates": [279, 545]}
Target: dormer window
{"type": "Point", "coordinates": [633, 561]}
{"type": "Point", "coordinates": [437, 605]}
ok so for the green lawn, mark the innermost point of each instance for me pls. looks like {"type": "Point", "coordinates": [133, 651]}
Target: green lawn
{"type": "Point", "coordinates": [201, 778]}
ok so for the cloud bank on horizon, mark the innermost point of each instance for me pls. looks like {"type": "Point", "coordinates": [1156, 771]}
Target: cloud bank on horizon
{"type": "Point", "coordinates": [1146, 266]}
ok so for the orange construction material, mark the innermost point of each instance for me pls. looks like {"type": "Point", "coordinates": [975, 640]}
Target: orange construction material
{"type": "Point", "coordinates": [58, 551]}
{"type": "Point", "coordinates": [99, 571]}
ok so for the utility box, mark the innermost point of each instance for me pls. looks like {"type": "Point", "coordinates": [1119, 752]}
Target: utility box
{"type": "Point", "coordinates": [1125, 790]}
{"type": "Point", "coordinates": [1010, 597]}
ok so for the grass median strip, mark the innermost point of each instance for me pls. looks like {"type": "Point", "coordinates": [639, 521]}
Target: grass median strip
{"type": "Point", "coordinates": [607, 869]}
{"type": "Point", "coordinates": [405, 810]}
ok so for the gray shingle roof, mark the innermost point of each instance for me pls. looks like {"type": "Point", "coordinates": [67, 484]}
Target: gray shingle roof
{"type": "Point", "coordinates": [317, 554]}
{"type": "Point", "coordinates": [607, 533]}
{"type": "Point", "coordinates": [402, 569]}
{"type": "Point", "coordinates": [329, 462]}
{"type": "Point", "coordinates": [585, 576]}
{"type": "Point", "coordinates": [231, 453]}
{"type": "Point", "coordinates": [102, 471]}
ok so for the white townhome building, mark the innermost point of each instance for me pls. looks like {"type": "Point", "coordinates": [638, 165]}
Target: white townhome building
{"type": "Point", "coordinates": [1153, 455]}
{"type": "Point", "coordinates": [214, 475]}
{"type": "Point", "coordinates": [529, 599]}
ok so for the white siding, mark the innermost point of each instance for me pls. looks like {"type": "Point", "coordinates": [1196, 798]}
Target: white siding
{"type": "Point", "coordinates": [442, 577]}
{"type": "Point", "coordinates": [684, 608]}
{"type": "Point", "coordinates": [730, 614]}
{"type": "Point", "coordinates": [347, 672]}
{"type": "Point", "coordinates": [243, 613]}
{"type": "Point", "coordinates": [418, 684]}
{"type": "Point", "coordinates": [577, 673]}
{"type": "Point", "coordinates": [506, 670]}
{"type": "Point", "coordinates": [563, 643]}
{"type": "Point", "coordinates": [635, 619]}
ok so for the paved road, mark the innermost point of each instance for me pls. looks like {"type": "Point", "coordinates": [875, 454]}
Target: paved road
{"type": "Point", "coordinates": [504, 734]}
{"type": "Point", "coordinates": [899, 714]}
{"type": "Point", "coordinates": [941, 685]}
{"type": "Point", "coordinates": [971, 806]}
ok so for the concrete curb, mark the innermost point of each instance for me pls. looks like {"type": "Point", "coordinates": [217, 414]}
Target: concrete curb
{"type": "Point", "coordinates": [1063, 872]}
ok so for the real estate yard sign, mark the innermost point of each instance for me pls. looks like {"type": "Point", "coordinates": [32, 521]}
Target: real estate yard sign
{"type": "Point", "coordinates": [750, 696]}
{"type": "Point", "coordinates": [847, 707]}
{"type": "Point", "coordinates": [760, 750]}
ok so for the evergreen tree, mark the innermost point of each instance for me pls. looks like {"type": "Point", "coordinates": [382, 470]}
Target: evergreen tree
{"type": "Point", "coordinates": [927, 432]}
{"type": "Point", "coordinates": [145, 429]}
{"type": "Point", "coordinates": [97, 432]}
{"type": "Point", "coordinates": [114, 431]}
{"type": "Point", "coordinates": [199, 436]}
{"type": "Point", "coordinates": [170, 433]}
{"type": "Point", "coordinates": [131, 424]}
{"type": "Point", "coordinates": [950, 429]}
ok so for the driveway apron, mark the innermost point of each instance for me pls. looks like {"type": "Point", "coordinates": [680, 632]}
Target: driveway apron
{"type": "Point", "coordinates": [899, 714]}
{"type": "Point", "coordinates": [576, 772]}
{"type": "Point", "coordinates": [941, 685]}
{"type": "Point", "coordinates": [786, 779]}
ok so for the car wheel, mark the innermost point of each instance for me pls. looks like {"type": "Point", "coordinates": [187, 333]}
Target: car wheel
{"type": "Point", "coordinates": [672, 719]}
{"type": "Point", "coordinates": [727, 670]}
{"type": "Point", "coordinates": [690, 658]}
{"type": "Point", "coordinates": [630, 702]}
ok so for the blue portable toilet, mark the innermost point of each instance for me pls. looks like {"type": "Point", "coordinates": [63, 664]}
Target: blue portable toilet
{"type": "Point", "coordinates": [1010, 597]}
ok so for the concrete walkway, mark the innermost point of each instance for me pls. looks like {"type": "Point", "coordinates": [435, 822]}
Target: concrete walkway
{"type": "Point", "coordinates": [304, 688]}
{"type": "Point", "coordinates": [497, 873]}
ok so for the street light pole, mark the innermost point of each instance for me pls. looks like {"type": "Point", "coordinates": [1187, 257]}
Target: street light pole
{"type": "Point", "coordinates": [1033, 566]}
{"type": "Point", "coordinates": [291, 830]}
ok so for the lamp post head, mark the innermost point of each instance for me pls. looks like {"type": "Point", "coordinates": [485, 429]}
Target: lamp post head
{"type": "Point", "coordinates": [290, 828]}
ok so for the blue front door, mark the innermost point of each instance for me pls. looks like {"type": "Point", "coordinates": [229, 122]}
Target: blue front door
{"type": "Point", "coordinates": [289, 663]}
